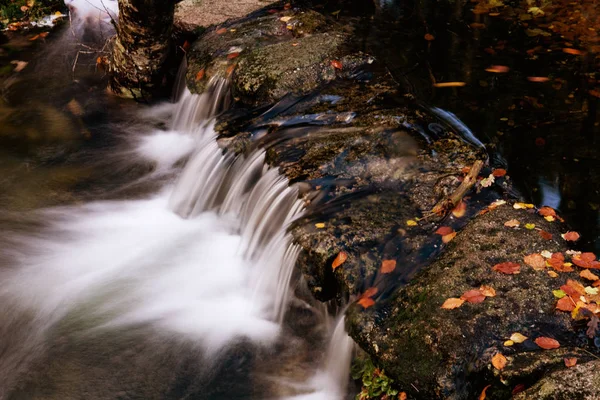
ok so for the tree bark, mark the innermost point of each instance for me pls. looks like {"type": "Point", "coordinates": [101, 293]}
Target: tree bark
{"type": "Point", "coordinates": [141, 47]}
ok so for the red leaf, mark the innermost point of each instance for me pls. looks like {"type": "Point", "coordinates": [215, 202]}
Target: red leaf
{"type": "Point", "coordinates": [339, 260]}
{"type": "Point", "coordinates": [547, 343]}
{"type": "Point", "coordinates": [231, 56]}
{"type": "Point", "coordinates": [388, 266]}
{"type": "Point", "coordinates": [518, 389]}
{"type": "Point", "coordinates": [499, 172]}
{"type": "Point", "coordinates": [483, 395]}
{"type": "Point", "coordinates": [509, 268]}
{"type": "Point", "coordinates": [337, 64]}
{"type": "Point", "coordinates": [570, 362]}
{"type": "Point", "coordinates": [498, 69]}
{"type": "Point", "coordinates": [545, 235]}
{"type": "Point", "coordinates": [536, 261]}
{"type": "Point", "coordinates": [200, 75]}
{"type": "Point", "coordinates": [586, 260]}
{"type": "Point", "coordinates": [370, 292]}
{"type": "Point", "coordinates": [473, 296]}
{"type": "Point", "coordinates": [221, 31]}
{"type": "Point", "coordinates": [571, 236]}
{"type": "Point", "coordinates": [444, 230]}
{"type": "Point", "coordinates": [565, 304]}
{"type": "Point", "coordinates": [366, 302]}
{"type": "Point", "coordinates": [547, 212]}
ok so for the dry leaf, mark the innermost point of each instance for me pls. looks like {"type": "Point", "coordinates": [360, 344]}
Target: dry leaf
{"type": "Point", "coordinates": [449, 84]}
{"type": "Point", "coordinates": [337, 64]}
{"type": "Point", "coordinates": [499, 172]}
{"type": "Point", "coordinates": [592, 327]}
{"type": "Point", "coordinates": [518, 337]}
{"type": "Point", "coordinates": [509, 268]}
{"type": "Point", "coordinates": [366, 302]}
{"type": "Point", "coordinates": [586, 260]}
{"type": "Point", "coordinates": [444, 230]}
{"type": "Point", "coordinates": [546, 235]}
{"type": "Point", "coordinates": [402, 396]}
{"type": "Point", "coordinates": [499, 361]}
{"type": "Point", "coordinates": [535, 261]}
{"type": "Point", "coordinates": [487, 291]}
{"type": "Point", "coordinates": [473, 296]}
{"type": "Point", "coordinates": [221, 31]}
{"type": "Point", "coordinates": [570, 236]}
{"type": "Point", "coordinates": [320, 225]}
{"type": "Point", "coordinates": [538, 79]}
{"type": "Point", "coordinates": [339, 259]}
{"type": "Point", "coordinates": [547, 212]}
{"type": "Point", "coordinates": [370, 292]}
{"type": "Point", "coordinates": [565, 304]}
{"type": "Point", "coordinates": [498, 69]}
{"type": "Point", "coordinates": [233, 55]}
{"type": "Point", "coordinates": [570, 362]}
{"type": "Point", "coordinates": [460, 210]}
{"type": "Point", "coordinates": [429, 37]}
{"type": "Point", "coordinates": [547, 343]}
{"type": "Point", "coordinates": [513, 223]}
{"type": "Point", "coordinates": [388, 266]}
{"type": "Point", "coordinates": [483, 395]}
{"type": "Point", "coordinates": [447, 238]}
{"type": "Point", "coordinates": [452, 303]}
{"type": "Point", "coordinates": [200, 75]}
{"type": "Point", "coordinates": [574, 52]}
{"type": "Point", "coordinates": [587, 274]}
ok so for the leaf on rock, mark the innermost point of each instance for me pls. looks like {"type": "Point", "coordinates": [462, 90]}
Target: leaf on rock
{"type": "Point", "coordinates": [499, 361]}
{"type": "Point", "coordinates": [460, 210]}
{"type": "Point", "coordinates": [444, 230]}
{"type": "Point", "coordinates": [339, 259]}
{"type": "Point", "coordinates": [411, 222]}
{"type": "Point", "coordinates": [447, 238]}
{"type": "Point", "coordinates": [570, 362]}
{"type": "Point", "coordinates": [547, 212]}
{"type": "Point", "coordinates": [573, 288]}
{"type": "Point", "coordinates": [523, 206]}
{"type": "Point", "coordinates": [587, 274]}
{"type": "Point", "coordinates": [366, 302]}
{"type": "Point", "coordinates": [592, 327]}
{"type": "Point", "coordinates": [487, 291]}
{"type": "Point", "coordinates": [530, 226]}
{"type": "Point", "coordinates": [452, 303]}
{"type": "Point", "coordinates": [388, 266]}
{"type": "Point", "coordinates": [559, 294]}
{"type": "Point", "coordinates": [370, 292]}
{"type": "Point", "coordinates": [518, 337]}
{"type": "Point", "coordinates": [535, 261]}
{"type": "Point", "coordinates": [512, 223]}
{"type": "Point", "coordinates": [586, 260]}
{"type": "Point", "coordinates": [545, 235]}
{"type": "Point", "coordinates": [483, 392]}
{"type": "Point", "coordinates": [571, 236]}
{"type": "Point", "coordinates": [565, 304]}
{"type": "Point", "coordinates": [547, 343]}
{"type": "Point", "coordinates": [449, 84]}
{"type": "Point", "coordinates": [509, 268]}
{"type": "Point", "coordinates": [221, 31]}
{"type": "Point", "coordinates": [337, 64]}
{"type": "Point", "coordinates": [519, 388]}
{"type": "Point", "coordinates": [200, 75]}
{"type": "Point", "coordinates": [320, 225]}
{"type": "Point", "coordinates": [473, 296]}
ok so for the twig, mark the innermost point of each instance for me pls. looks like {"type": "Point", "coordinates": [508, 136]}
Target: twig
{"type": "Point", "coordinates": [450, 202]}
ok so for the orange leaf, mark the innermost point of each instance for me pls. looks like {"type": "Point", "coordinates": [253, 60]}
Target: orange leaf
{"type": "Point", "coordinates": [36, 37]}
{"type": "Point", "coordinates": [512, 223]}
{"type": "Point", "coordinates": [575, 52]}
{"type": "Point", "coordinates": [499, 172]}
{"type": "Point", "coordinates": [537, 79]}
{"type": "Point", "coordinates": [545, 235]}
{"type": "Point", "coordinates": [186, 45]}
{"type": "Point", "coordinates": [200, 75]}
{"type": "Point", "coordinates": [370, 292]}
{"type": "Point", "coordinates": [366, 302]}
{"type": "Point", "coordinates": [570, 362]}
{"type": "Point", "coordinates": [586, 260]}
{"type": "Point", "coordinates": [498, 69]}
{"type": "Point", "coordinates": [444, 230]}
{"type": "Point", "coordinates": [337, 64]}
{"type": "Point", "coordinates": [571, 236]}
{"type": "Point", "coordinates": [447, 238]}
{"type": "Point", "coordinates": [460, 210]}
{"type": "Point", "coordinates": [339, 259]}
{"type": "Point", "coordinates": [547, 343]}
{"type": "Point", "coordinates": [230, 69]}
{"type": "Point", "coordinates": [565, 304]}
{"type": "Point", "coordinates": [587, 274]}
{"type": "Point", "coordinates": [547, 212]}
{"type": "Point", "coordinates": [452, 303]}
{"type": "Point", "coordinates": [429, 37]}
{"type": "Point", "coordinates": [449, 84]}
{"type": "Point", "coordinates": [402, 396]}
{"type": "Point", "coordinates": [473, 296]}
{"type": "Point", "coordinates": [483, 395]}
{"type": "Point", "coordinates": [44, 34]}
{"type": "Point", "coordinates": [499, 361]}
{"type": "Point", "coordinates": [487, 291]}
{"type": "Point", "coordinates": [535, 261]}
{"type": "Point", "coordinates": [221, 31]}
{"type": "Point", "coordinates": [509, 268]}
{"type": "Point", "coordinates": [388, 266]}
{"type": "Point", "coordinates": [231, 56]}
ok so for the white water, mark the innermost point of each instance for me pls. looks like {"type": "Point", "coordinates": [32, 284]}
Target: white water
{"type": "Point", "coordinates": [206, 258]}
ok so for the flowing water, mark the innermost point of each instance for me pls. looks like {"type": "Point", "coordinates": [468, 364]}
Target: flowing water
{"type": "Point", "coordinates": [168, 272]}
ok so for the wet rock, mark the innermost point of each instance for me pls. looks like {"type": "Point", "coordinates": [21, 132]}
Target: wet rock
{"type": "Point", "coordinates": [271, 54]}
{"type": "Point", "coordinates": [193, 15]}
{"type": "Point", "coordinates": [447, 353]}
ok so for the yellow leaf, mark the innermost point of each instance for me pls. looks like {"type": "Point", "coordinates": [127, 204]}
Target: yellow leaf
{"type": "Point", "coordinates": [518, 337]}
{"type": "Point", "coordinates": [519, 206]}
{"type": "Point", "coordinates": [452, 303]}
{"type": "Point", "coordinates": [530, 226]}
{"type": "Point", "coordinates": [509, 343]}
{"type": "Point", "coordinates": [320, 225]}
{"type": "Point", "coordinates": [285, 19]}
{"type": "Point", "coordinates": [411, 222]}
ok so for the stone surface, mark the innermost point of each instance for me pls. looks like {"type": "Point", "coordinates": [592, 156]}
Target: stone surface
{"type": "Point", "coordinates": [191, 15]}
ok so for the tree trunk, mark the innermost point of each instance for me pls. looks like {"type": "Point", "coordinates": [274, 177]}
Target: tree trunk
{"type": "Point", "coordinates": [141, 47]}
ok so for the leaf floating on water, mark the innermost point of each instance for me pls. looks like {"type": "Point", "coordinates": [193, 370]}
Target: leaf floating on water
{"type": "Point", "coordinates": [571, 236]}
{"type": "Point", "coordinates": [499, 361]}
{"type": "Point", "coordinates": [339, 259]}
{"type": "Point", "coordinates": [572, 51]}
{"type": "Point", "coordinates": [538, 79]}
{"type": "Point", "coordinates": [547, 343]}
{"type": "Point", "coordinates": [570, 362]}
{"type": "Point", "coordinates": [482, 396]}
{"type": "Point", "coordinates": [509, 268]}
{"type": "Point", "coordinates": [366, 302]}
{"type": "Point", "coordinates": [535, 261]}
{"type": "Point", "coordinates": [388, 266]}
{"type": "Point", "coordinates": [473, 296]}
{"type": "Point", "coordinates": [429, 37]}
{"type": "Point", "coordinates": [460, 210]}
{"type": "Point", "coordinates": [498, 69]}
{"type": "Point", "coordinates": [449, 84]}
{"type": "Point", "coordinates": [513, 223]}
{"type": "Point", "coordinates": [452, 303]}
{"type": "Point", "coordinates": [518, 337]}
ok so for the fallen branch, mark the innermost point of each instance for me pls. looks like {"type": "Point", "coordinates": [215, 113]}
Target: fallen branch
{"type": "Point", "coordinates": [448, 203]}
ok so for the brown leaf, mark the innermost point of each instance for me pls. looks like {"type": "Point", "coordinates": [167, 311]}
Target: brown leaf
{"type": "Point", "coordinates": [499, 172]}
{"type": "Point", "coordinates": [545, 235]}
{"type": "Point", "coordinates": [366, 302]}
{"type": "Point", "coordinates": [518, 388]}
{"type": "Point", "coordinates": [483, 395]}
{"type": "Point", "coordinates": [473, 296]}
{"type": "Point", "coordinates": [570, 362]}
{"type": "Point", "coordinates": [565, 304]}
{"type": "Point", "coordinates": [571, 236]}
{"type": "Point", "coordinates": [535, 261]}
{"type": "Point", "coordinates": [547, 343]}
{"type": "Point", "coordinates": [444, 230]}
{"type": "Point", "coordinates": [512, 223]}
{"type": "Point", "coordinates": [547, 212]}
{"type": "Point", "coordinates": [587, 274]}
{"type": "Point", "coordinates": [509, 268]}
{"type": "Point", "coordinates": [460, 210]}
{"type": "Point", "coordinates": [499, 361]}
{"type": "Point", "coordinates": [339, 259]}
{"type": "Point", "coordinates": [452, 303]}
{"type": "Point", "coordinates": [388, 266]}
{"type": "Point", "coordinates": [337, 64]}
